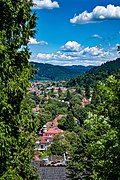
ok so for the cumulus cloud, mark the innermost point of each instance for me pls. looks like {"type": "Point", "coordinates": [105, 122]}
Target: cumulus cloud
{"type": "Point", "coordinates": [43, 43]}
{"type": "Point", "coordinates": [81, 56]}
{"type": "Point", "coordinates": [99, 13]}
{"type": "Point", "coordinates": [34, 41]}
{"type": "Point", "coordinates": [45, 4]}
{"type": "Point", "coordinates": [96, 36]}
{"type": "Point", "coordinates": [92, 51]}
{"type": "Point", "coordinates": [54, 56]}
{"type": "Point", "coordinates": [71, 46]}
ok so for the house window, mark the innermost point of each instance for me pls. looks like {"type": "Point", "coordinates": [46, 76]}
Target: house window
{"type": "Point", "coordinates": [41, 146]}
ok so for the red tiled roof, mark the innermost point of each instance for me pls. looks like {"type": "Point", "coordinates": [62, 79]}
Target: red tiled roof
{"type": "Point", "coordinates": [58, 117]}
{"type": "Point", "coordinates": [55, 123]}
{"type": "Point", "coordinates": [42, 140]}
{"type": "Point", "coordinates": [49, 124]}
{"type": "Point", "coordinates": [54, 130]}
{"type": "Point", "coordinates": [85, 101]}
{"type": "Point", "coordinates": [36, 109]}
{"type": "Point", "coordinates": [48, 137]}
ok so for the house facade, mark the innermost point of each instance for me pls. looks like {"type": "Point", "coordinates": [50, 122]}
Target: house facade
{"type": "Point", "coordinates": [46, 138]}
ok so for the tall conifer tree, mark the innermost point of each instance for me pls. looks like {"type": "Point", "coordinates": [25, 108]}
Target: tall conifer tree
{"type": "Point", "coordinates": [17, 123]}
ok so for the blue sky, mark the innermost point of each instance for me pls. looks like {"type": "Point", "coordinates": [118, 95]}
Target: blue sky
{"type": "Point", "coordinates": [76, 32]}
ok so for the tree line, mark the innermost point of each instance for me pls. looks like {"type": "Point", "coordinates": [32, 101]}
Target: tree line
{"type": "Point", "coordinates": [95, 74]}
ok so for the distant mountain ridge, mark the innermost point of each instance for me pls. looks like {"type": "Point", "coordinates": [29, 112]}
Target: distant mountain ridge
{"type": "Point", "coordinates": [79, 68]}
{"type": "Point", "coordinates": [57, 73]}
{"type": "Point", "coordinates": [95, 74]}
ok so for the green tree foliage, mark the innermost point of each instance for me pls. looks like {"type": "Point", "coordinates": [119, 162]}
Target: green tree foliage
{"type": "Point", "coordinates": [64, 143]}
{"type": "Point", "coordinates": [35, 98]}
{"type": "Point", "coordinates": [54, 72]}
{"type": "Point", "coordinates": [68, 123]}
{"type": "Point", "coordinates": [44, 117]}
{"type": "Point", "coordinates": [80, 113]}
{"type": "Point", "coordinates": [57, 148]}
{"type": "Point", "coordinates": [97, 155]}
{"type": "Point", "coordinates": [78, 110]}
{"type": "Point", "coordinates": [87, 91]}
{"type": "Point", "coordinates": [17, 123]}
{"type": "Point", "coordinates": [32, 99]}
{"type": "Point", "coordinates": [49, 109]}
{"type": "Point", "coordinates": [68, 95]}
{"type": "Point", "coordinates": [110, 105]}
{"type": "Point", "coordinates": [95, 74]}
{"type": "Point", "coordinates": [96, 99]}
{"type": "Point", "coordinates": [79, 90]}
{"type": "Point", "coordinates": [74, 101]}
{"type": "Point", "coordinates": [61, 122]}
{"type": "Point", "coordinates": [59, 92]}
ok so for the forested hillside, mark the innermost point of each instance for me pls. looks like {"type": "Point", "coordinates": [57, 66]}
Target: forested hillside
{"type": "Point", "coordinates": [52, 72]}
{"type": "Point", "coordinates": [79, 68]}
{"type": "Point", "coordinates": [95, 74]}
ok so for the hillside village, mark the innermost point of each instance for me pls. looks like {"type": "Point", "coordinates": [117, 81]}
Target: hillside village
{"type": "Point", "coordinates": [57, 92]}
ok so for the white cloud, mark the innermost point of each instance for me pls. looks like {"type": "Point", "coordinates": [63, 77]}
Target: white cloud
{"type": "Point", "coordinates": [43, 43]}
{"type": "Point", "coordinates": [84, 56]}
{"type": "Point", "coordinates": [45, 4]}
{"type": "Point", "coordinates": [96, 36]}
{"type": "Point", "coordinates": [34, 41]}
{"type": "Point", "coordinates": [53, 56]}
{"type": "Point", "coordinates": [118, 47]}
{"type": "Point", "coordinates": [71, 46]}
{"type": "Point", "coordinates": [99, 13]}
{"type": "Point", "coordinates": [45, 56]}
{"type": "Point", "coordinates": [92, 51]}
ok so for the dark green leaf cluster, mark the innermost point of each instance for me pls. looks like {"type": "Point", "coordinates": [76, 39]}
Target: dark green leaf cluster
{"type": "Point", "coordinates": [17, 122]}
{"type": "Point", "coordinates": [49, 109]}
{"type": "Point", "coordinates": [97, 154]}
{"type": "Point", "coordinates": [64, 143]}
{"type": "Point", "coordinates": [67, 123]}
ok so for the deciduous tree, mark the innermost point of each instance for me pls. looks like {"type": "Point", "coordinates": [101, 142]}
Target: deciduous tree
{"type": "Point", "coordinates": [97, 155]}
{"type": "Point", "coordinates": [87, 91]}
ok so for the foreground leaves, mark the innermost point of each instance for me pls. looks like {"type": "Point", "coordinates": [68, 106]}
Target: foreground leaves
{"type": "Point", "coordinates": [17, 123]}
{"type": "Point", "coordinates": [97, 154]}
